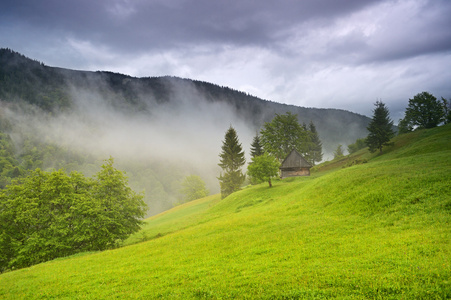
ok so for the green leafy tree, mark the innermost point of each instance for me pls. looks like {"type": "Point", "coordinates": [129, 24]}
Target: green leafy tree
{"type": "Point", "coordinates": [316, 148]}
{"type": "Point", "coordinates": [256, 146]}
{"type": "Point", "coordinates": [423, 111]}
{"type": "Point", "coordinates": [446, 110]}
{"type": "Point", "coordinates": [231, 162]}
{"type": "Point", "coordinates": [263, 168]}
{"type": "Point", "coordinates": [9, 166]}
{"type": "Point", "coordinates": [36, 217]}
{"type": "Point", "coordinates": [122, 207]}
{"type": "Point", "coordinates": [338, 153]}
{"type": "Point", "coordinates": [51, 214]}
{"type": "Point", "coordinates": [359, 144]}
{"type": "Point", "coordinates": [283, 134]}
{"type": "Point", "coordinates": [380, 128]}
{"type": "Point", "coordinates": [193, 187]}
{"type": "Point", "coordinates": [404, 126]}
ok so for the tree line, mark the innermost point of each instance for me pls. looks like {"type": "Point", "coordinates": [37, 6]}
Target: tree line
{"type": "Point", "coordinates": [423, 111]}
{"type": "Point", "coordinates": [284, 133]}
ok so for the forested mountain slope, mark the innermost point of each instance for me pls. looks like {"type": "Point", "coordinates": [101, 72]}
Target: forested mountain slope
{"type": "Point", "coordinates": [50, 89]}
{"type": "Point", "coordinates": [159, 129]}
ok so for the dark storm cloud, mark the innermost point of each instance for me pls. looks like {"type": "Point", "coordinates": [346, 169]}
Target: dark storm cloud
{"type": "Point", "coordinates": [383, 31]}
{"type": "Point", "coordinates": [321, 53]}
{"type": "Point", "coordinates": [144, 25]}
{"type": "Point", "coordinates": [425, 31]}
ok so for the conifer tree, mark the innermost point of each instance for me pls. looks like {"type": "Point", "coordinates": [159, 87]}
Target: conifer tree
{"type": "Point", "coordinates": [380, 128]}
{"type": "Point", "coordinates": [232, 160]}
{"type": "Point", "coordinates": [316, 151]}
{"type": "Point", "coordinates": [338, 153]}
{"type": "Point", "coordinates": [256, 147]}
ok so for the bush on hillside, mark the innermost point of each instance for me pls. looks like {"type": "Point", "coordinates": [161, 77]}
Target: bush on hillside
{"type": "Point", "coordinates": [359, 144]}
{"type": "Point", "coordinates": [193, 187]}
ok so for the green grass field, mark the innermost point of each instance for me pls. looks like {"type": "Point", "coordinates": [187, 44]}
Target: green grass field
{"type": "Point", "coordinates": [376, 230]}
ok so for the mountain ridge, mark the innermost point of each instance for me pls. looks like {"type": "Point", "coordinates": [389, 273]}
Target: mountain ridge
{"type": "Point", "coordinates": [46, 87]}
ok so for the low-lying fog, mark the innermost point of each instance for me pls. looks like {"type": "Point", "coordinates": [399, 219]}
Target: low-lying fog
{"type": "Point", "coordinates": [185, 134]}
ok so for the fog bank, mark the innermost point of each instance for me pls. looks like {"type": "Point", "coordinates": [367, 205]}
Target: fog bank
{"type": "Point", "coordinates": [184, 134]}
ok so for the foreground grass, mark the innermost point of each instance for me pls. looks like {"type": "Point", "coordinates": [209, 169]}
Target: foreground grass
{"type": "Point", "coordinates": [379, 230]}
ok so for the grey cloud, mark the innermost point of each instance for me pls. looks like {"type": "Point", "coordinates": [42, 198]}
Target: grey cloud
{"type": "Point", "coordinates": [140, 25]}
{"type": "Point", "coordinates": [421, 31]}
{"type": "Point", "coordinates": [147, 26]}
{"type": "Point", "coordinates": [322, 53]}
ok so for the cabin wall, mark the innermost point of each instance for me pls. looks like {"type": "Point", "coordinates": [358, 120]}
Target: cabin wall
{"type": "Point", "coordinates": [295, 172]}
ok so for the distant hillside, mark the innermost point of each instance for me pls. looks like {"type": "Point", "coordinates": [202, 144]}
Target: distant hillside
{"type": "Point", "coordinates": [23, 79]}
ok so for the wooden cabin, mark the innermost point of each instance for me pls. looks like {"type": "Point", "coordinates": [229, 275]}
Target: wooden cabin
{"type": "Point", "coordinates": [294, 165]}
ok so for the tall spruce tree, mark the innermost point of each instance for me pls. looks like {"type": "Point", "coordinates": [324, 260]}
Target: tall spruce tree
{"type": "Point", "coordinates": [316, 150]}
{"type": "Point", "coordinates": [256, 147]}
{"type": "Point", "coordinates": [232, 160]}
{"type": "Point", "coordinates": [380, 128]}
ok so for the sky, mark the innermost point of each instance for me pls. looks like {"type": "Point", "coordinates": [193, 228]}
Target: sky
{"type": "Point", "coordinates": [312, 53]}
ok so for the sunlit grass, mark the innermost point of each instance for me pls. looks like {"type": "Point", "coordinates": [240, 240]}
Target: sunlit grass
{"type": "Point", "coordinates": [379, 230]}
{"type": "Point", "coordinates": [178, 218]}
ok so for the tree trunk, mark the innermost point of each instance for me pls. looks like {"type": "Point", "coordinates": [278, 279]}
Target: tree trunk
{"type": "Point", "coordinates": [269, 181]}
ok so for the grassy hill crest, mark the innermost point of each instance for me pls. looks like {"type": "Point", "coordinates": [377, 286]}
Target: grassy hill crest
{"type": "Point", "coordinates": [374, 230]}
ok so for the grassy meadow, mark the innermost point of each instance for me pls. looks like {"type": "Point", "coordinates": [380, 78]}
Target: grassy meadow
{"type": "Point", "coordinates": [352, 230]}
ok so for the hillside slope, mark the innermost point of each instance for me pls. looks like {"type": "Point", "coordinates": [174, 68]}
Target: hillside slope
{"type": "Point", "coordinates": [379, 230]}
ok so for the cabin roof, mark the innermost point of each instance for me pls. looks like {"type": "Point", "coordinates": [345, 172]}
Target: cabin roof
{"type": "Point", "coordinates": [295, 160]}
